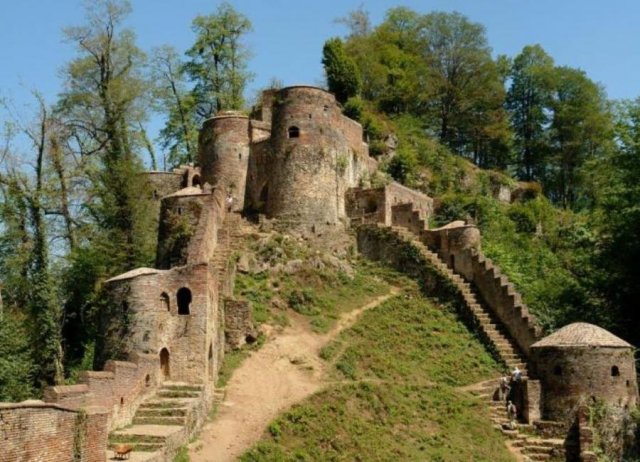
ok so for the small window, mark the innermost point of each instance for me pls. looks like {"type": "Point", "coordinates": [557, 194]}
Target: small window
{"type": "Point", "coordinates": [294, 132]}
{"type": "Point", "coordinates": [121, 401]}
{"type": "Point", "coordinates": [164, 302]}
{"type": "Point", "coordinates": [557, 370]}
{"type": "Point", "coordinates": [184, 301]}
{"type": "Point", "coordinates": [147, 381]}
{"type": "Point", "coordinates": [125, 306]}
{"type": "Point", "coordinates": [239, 156]}
{"type": "Point", "coordinates": [615, 372]}
{"type": "Point", "coordinates": [179, 210]}
{"type": "Point", "coordinates": [154, 194]}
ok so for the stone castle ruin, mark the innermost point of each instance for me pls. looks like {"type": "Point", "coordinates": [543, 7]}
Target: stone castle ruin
{"type": "Point", "coordinates": [299, 162]}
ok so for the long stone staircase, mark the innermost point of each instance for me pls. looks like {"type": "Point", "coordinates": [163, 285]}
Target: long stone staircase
{"type": "Point", "coordinates": [539, 441]}
{"type": "Point", "coordinates": [490, 329]}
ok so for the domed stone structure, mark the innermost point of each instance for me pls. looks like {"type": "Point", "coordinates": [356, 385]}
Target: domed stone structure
{"type": "Point", "coordinates": [582, 363]}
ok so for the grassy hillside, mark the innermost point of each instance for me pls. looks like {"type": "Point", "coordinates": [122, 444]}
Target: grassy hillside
{"type": "Point", "coordinates": [392, 394]}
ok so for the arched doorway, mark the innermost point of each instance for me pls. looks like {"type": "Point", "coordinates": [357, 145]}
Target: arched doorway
{"type": "Point", "coordinates": [164, 364]}
{"type": "Point", "coordinates": [195, 181]}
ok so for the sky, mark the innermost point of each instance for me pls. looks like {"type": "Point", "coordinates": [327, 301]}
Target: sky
{"type": "Point", "coordinates": [598, 37]}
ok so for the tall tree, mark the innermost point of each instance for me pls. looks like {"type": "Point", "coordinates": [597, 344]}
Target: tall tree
{"type": "Point", "coordinates": [103, 104]}
{"type": "Point", "coordinates": [25, 202]}
{"type": "Point", "coordinates": [529, 103]}
{"type": "Point", "coordinates": [342, 73]}
{"type": "Point", "coordinates": [102, 107]}
{"type": "Point", "coordinates": [218, 61]}
{"type": "Point", "coordinates": [580, 132]}
{"type": "Point", "coordinates": [180, 133]}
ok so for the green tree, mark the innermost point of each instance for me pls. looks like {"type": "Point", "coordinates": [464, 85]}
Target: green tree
{"type": "Point", "coordinates": [180, 134]}
{"type": "Point", "coordinates": [102, 107]}
{"type": "Point", "coordinates": [580, 132]}
{"type": "Point", "coordinates": [342, 73]}
{"type": "Point", "coordinates": [218, 61]}
{"type": "Point", "coordinates": [618, 221]}
{"type": "Point", "coordinates": [529, 103]}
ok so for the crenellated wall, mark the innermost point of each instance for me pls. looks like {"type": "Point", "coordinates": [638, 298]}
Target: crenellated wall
{"type": "Point", "coordinates": [459, 245]}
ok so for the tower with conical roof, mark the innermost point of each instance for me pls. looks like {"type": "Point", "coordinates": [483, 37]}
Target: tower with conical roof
{"type": "Point", "coordinates": [580, 364]}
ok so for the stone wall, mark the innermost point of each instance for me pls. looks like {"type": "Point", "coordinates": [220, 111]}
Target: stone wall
{"type": "Point", "coordinates": [238, 324]}
{"type": "Point", "coordinates": [377, 205]}
{"type": "Point", "coordinates": [35, 431]}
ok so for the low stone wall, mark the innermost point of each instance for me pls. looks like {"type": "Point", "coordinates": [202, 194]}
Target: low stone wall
{"type": "Point", "coordinates": [37, 431]}
{"type": "Point", "coordinates": [119, 388]}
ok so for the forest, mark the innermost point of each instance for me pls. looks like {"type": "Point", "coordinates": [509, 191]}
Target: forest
{"type": "Point", "coordinates": [75, 209]}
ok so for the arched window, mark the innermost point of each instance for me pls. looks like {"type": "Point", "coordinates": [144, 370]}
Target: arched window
{"type": "Point", "coordinates": [147, 380]}
{"type": "Point", "coordinates": [164, 301]}
{"type": "Point", "coordinates": [184, 300]}
{"type": "Point", "coordinates": [294, 132]}
{"type": "Point", "coordinates": [615, 372]}
{"type": "Point", "coordinates": [125, 306]}
{"type": "Point", "coordinates": [196, 180]}
{"type": "Point", "coordinates": [557, 370]}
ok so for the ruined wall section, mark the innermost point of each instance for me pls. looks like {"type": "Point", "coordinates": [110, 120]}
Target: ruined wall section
{"type": "Point", "coordinates": [317, 155]}
{"type": "Point", "coordinates": [35, 431]}
{"type": "Point", "coordinates": [378, 205]}
{"type": "Point", "coordinates": [188, 226]}
{"type": "Point", "coordinates": [224, 154]}
{"type": "Point", "coordinates": [174, 310]}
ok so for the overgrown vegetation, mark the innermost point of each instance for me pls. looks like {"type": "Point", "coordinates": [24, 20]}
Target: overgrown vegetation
{"type": "Point", "coordinates": [394, 398]}
{"type": "Point", "coordinates": [292, 275]}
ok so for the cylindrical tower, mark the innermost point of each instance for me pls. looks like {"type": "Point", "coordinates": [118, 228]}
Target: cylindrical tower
{"type": "Point", "coordinates": [310, 155]}
{"type": "Point", "coordinates": [582, 363]}
{"type": "Point", "coordinates": [224, 153]}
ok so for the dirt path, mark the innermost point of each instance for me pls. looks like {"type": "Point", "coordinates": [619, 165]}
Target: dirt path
{"type": "Point", "coordinates": [284, 371]}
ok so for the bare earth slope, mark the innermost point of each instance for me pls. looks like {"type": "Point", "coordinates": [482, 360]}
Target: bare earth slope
{"type": "Point", "coordinates": [284, 371]}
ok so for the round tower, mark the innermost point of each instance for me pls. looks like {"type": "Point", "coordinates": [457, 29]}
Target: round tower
{"type": "Point", "coordinates": [224, 153]}
{"type": "Point", "coordinates": [582, 363]}
{"type": "Point", "coordinates": [311, 153]}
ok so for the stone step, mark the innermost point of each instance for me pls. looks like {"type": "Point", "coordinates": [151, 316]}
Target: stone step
{"type": "Point", "coordinates": [138, 446]}
{"type": "Point", "coordinates": [177, 393]}
{"type": "Point", "coordinates": [162, 411]}
{"type": "Point", "coordinates": [161, 404]}
{"type": "Point", "coordinates": [159, 420]}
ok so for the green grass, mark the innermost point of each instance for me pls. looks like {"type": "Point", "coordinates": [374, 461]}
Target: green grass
{"type": "Point", "coordinates": [321, 295]}
{"type": "Point", "coordinates": [182, 455]}
{"type": "Point", "coordinates": [233, 359]}
{"type": "Point", "coordinates": [394, 395]}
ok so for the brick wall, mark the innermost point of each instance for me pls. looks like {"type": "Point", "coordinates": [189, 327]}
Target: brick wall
{"type": "Point", "coordinates": [50, 433]}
